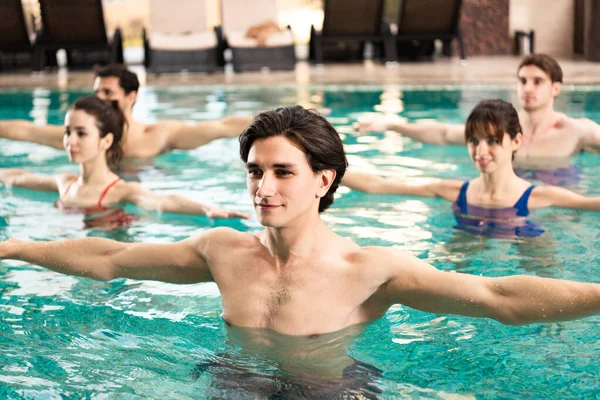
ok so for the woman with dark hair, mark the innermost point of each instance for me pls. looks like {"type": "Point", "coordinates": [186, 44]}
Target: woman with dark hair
{"type": "Point", "coordinates": [92, 139]}
{"type": "Point", "coordinates": [498, 201]}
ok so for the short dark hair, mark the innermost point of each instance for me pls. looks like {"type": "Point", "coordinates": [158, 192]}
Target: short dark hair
{"type": "Point", "coordinates": [492, 117]}
{"type": "Point", "coordinates": [546, 63]}
{"type": "Point", "coordinates": [319, 141]}
{"type": "Point", "coordinates": [109, 119]}
{"type": "Point", "coordinates": [127, 79]}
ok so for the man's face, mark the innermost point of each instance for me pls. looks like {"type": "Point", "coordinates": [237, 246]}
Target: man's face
{"type": "Point", "coordinates": [108, 89]}
{"type": "Point", "coordinates": [281, 184]}
{"type": "Point", "coordinates": [535, 88]}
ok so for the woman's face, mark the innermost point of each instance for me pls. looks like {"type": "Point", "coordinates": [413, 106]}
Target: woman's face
{"type": "Point", "coordinates": [82, 139]}
{"type": "Point", "coordinates": [489, 154]}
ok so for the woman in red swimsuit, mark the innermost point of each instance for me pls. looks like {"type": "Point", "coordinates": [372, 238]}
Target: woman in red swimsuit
{"type": "Point", "coordinates": [93, 131]}
{"type": "Point", "coordinates": [497, 202]}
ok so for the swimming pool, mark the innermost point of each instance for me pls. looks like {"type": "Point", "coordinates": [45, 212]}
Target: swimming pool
{"type": "Point", "coordinates": [128, 339]}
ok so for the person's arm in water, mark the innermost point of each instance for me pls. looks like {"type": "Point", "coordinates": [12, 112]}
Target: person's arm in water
{"type": "Point", "coordinates": [25, 131]}
{"type": "Point", "coordinates": [446, 189]}
{"type": "Point", "coordinates": [430, 132]}
{"type": "Point", "coordinates": [590, 140]}
{"type": "Point", "coordinates": [185, 137]}
{"type": "Point", "coordinates": [554, 196]}
{"type": "Point", "coordinates": [511, 300]}
{"type": "Point", "coordinates": [105, 259]}
{"type": "Point", "coordinates": [23, 179]}
{"type": "Point", "coordinates": [173, 203]}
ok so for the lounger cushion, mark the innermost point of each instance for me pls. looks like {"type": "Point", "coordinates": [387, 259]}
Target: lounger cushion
{"type": "Point", "coordinates": [278, 39]}
{"type": "Point", "coordinates": [192, 41]}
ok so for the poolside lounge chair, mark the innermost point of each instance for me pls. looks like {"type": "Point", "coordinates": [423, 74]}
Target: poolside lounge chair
{"type": "Point", "coordinates": [16, 45]}
{"type": "Point", "coordinates": [78, 27]}
{"type": "Point", "coordinates": [357, 21]}
{"type": "Point", "coordinates": [179, 39]}
{"type": "Point", "coordinates": [278, 51]}
{"type": "Point", "coordinates": [428, 20]}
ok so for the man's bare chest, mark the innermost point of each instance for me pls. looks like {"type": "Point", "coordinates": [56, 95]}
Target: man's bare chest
{"type": "Point", "coordinates": [141, 147]}
{"type": "Point", "coordinates": [308, 301]}
{"type": "Point", "coordinates": [552, 143]}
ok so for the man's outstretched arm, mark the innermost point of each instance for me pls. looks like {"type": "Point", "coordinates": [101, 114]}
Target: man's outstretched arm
{"type": "Point", "coordinates": [590, 141]}
{"type": "Point", "coordinates": [25, 131]}
{"type": "Point", "coordinates": [430, 132]}
{"type": "Point", "coordinates": [105, 259]}
{"type": "Point", "coordinates": [512, 300]}
{"type": "Point", "coordinates": [185, 137]}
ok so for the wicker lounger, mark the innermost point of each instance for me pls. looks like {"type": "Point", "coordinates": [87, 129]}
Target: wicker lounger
{"type": "Point", "coordinates": [247, 55]}
{"type": "Point", "coordinates": [78, 27]}
{"type": "Point", "coordinates": [179, 38]}
{"type": "Point", "coordinates": [351, 22]}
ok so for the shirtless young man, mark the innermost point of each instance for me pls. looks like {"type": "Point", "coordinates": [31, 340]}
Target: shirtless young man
{"type": "Point", "coordinates": [550, 138]}
{"type": "Point", "coordinates": [140, 141]}
{"type": "Point", "coordinates": [297, 277]}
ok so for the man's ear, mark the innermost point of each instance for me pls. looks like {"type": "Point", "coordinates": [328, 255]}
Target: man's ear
{"type": "Point", "coordinates": [556, 87]}
{"type": "Point", "coordinates": [131, 97]}
{"type": "Point", "coordinates": [326, 178]}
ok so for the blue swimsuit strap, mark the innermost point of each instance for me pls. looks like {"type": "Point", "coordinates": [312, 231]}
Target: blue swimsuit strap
{"type": "Point", "coordinates": [521, 204]}
{"type": "Point", "coordinates": [461, 201]}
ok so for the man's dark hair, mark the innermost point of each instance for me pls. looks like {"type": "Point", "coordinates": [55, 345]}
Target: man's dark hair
{"type": "Point", "coordinates": [310, 132]}
{"type": "Point", "coordinates": [492, 118]}
{"type": "Point", "coordinates": [546, 64]}
{"type": "Point", "coordinates": [127, 79]}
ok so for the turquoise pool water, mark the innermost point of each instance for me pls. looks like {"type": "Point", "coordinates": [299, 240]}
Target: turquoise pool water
{"type": "Point", "coordinates": [65, 337]}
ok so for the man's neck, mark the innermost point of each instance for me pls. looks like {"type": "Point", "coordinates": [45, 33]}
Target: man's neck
{"type": "Point", "coordinates": [300, 239]}
{"type": "Point", "coordinates": [131, 126]}
{"type": "Point", "coordinates": [537, 120]}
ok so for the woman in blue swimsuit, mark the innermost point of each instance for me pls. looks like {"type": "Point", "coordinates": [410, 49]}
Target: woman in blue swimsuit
{"type": "Point", "coordinates": [93, 131]}
{"type": "Point", "coordinates": [498, 201]}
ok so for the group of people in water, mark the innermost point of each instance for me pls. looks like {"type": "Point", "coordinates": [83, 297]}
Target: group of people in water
{"type": "Point", "coordinates": [275, 280]}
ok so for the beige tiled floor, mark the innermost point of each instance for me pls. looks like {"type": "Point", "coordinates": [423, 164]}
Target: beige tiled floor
{"type": "Point", "coordinates": [477, 70]}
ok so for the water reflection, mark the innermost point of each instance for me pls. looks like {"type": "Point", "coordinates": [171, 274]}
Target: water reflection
{"type": "Point", "coordinates": [261, 362]}
{"type": "Point", "coordinates": [62, 332]}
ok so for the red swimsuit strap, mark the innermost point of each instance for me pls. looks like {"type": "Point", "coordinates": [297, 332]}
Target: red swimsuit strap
{"type": "Point", "coordinates": [113, 183]}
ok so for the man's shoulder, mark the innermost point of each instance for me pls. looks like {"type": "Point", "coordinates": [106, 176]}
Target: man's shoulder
{"type": "Point", "coordinates": [166, 126]}
{"type": "Point", "coordinates": [224, 237]}
{"type": "Point", "coordinates": [575, 124]}
{"type": "Point", "coordinates": [379, 257]}
{"type": "Point", "coordinates": [377, 265]}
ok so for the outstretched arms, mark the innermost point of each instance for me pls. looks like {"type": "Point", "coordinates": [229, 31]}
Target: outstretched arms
{"type": "Point", "coordinates": [24, 179]}
{"type": "Point", "coordinates": [184, 137]}
{"type": "Point", "coordinates": [545, 196]}
{"type": "Point", "coordinates": [430, 132]}
{"type": "Point", "coordinates": [105, 259]}
{"type": "Point", "coordinates": [145, 198]}
{"type": "Point", "coordinates": [513, 300]}
{"type": "Point", "coordinates": [25, 131]}
{"type": "Point", "coordinates": [590, 140]}
{"type": "Point", "coordinates": [447, 189]}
